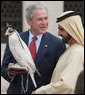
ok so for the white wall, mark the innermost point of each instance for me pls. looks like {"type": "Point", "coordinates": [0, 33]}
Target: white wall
{"type": "Point", "coordinates": [55, 8]}
{"type": "Point", "coordinates": [4, 83]}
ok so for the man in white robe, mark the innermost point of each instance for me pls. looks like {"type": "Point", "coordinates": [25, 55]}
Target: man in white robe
{"type": "Point", "coordinates": [71, 62]}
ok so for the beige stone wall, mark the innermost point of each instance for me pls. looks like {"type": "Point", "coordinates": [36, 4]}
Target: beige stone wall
{"type": "Point", "coordinates": [4, 86]}
{"type": "Point", "coordinates": [4, 83]}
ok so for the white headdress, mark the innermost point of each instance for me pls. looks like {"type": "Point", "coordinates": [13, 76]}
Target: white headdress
{"type": "Point", "coordinates": [72, 23]}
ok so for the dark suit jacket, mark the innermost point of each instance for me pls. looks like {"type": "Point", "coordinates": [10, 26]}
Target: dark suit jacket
{"type": "Point", "coordinates": [79, 89]}
{"type": "Point", "coordinates": [45, 62]}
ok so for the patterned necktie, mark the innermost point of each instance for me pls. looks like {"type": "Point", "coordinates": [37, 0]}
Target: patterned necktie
{"type": "Point", "coordinates": [32, 47]}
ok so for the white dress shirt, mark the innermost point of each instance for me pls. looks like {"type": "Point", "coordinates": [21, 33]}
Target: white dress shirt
{"type": "Point", "coordinates": [37, 42]}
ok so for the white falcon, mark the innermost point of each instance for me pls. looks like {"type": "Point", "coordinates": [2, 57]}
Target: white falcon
{"type": "Point", "coordinates": [21, 52]}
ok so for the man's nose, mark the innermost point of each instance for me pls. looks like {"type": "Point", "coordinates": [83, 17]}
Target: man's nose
{"type": "Point", "coordinates": [59, 33]}
{"type": "Point", "coordinates": [43, 21]}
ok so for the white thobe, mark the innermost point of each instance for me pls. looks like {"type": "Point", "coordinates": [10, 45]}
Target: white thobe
{"type": "Point", "coordinates": [66, 72]}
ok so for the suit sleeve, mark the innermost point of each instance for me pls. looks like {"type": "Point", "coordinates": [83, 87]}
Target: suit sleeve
{"type": "Point", "coordinates": [60, 48]}
{"type": "Point", "coordinates": [7, 58]}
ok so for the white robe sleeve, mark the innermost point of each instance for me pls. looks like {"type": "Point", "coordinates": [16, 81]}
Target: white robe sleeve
{"type": "Point", "coordinates": [68, 77]}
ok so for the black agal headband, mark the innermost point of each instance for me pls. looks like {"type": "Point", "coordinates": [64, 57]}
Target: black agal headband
{"type": "Point", "coordinates": [67, 15]}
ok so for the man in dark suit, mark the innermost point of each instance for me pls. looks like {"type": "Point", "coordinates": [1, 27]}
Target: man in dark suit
{"type": "Point", "coordinates": [49, 48]}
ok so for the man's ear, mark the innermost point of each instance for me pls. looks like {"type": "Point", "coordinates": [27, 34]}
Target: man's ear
{"type": "Point", "coordinates": [28, 21]}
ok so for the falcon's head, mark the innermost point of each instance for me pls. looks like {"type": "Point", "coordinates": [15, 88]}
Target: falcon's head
{"type": "Point", "coordinates": [10, 30]}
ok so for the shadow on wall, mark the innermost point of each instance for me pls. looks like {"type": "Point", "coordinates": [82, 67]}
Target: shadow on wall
{"type": "Point", "coordinates": [4, 83]}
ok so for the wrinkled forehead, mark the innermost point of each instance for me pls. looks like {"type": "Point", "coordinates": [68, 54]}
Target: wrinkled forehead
{"type": "Point", "coordinates": [39, 10]}
{"type": "Point", "coordinates": [39, 13]}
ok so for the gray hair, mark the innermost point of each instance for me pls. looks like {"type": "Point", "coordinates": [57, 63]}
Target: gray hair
{"type": "Point", "coordinates": [31, 8]}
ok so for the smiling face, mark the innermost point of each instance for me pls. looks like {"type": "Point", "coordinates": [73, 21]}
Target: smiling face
{"type": "Point", "coordinates": [39, 22]}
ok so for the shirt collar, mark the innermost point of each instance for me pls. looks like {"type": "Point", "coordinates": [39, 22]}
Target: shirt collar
{"type": "Point", "coordinates": [39, 37]}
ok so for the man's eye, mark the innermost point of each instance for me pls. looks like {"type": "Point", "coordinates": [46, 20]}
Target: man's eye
{"type": "Point", "coordinates": [61, 29]}
{"type": "Point", "coordinates": [46, 18]}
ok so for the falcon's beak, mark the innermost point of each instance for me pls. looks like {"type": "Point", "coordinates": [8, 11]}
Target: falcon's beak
{"type": "Point", "coordinates": [9, 31]}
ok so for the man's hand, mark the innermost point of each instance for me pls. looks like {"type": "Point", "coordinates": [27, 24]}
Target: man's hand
{"type": "Point", "coordinates": [33, 92]}
{"type": "Point", "coordinates": [15, 69]}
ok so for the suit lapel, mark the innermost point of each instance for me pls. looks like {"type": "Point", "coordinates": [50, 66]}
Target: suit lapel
{"type": "Point", "coordinates": [26, 37]}
{"type": "Point", "coordinates": [43, 48]}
